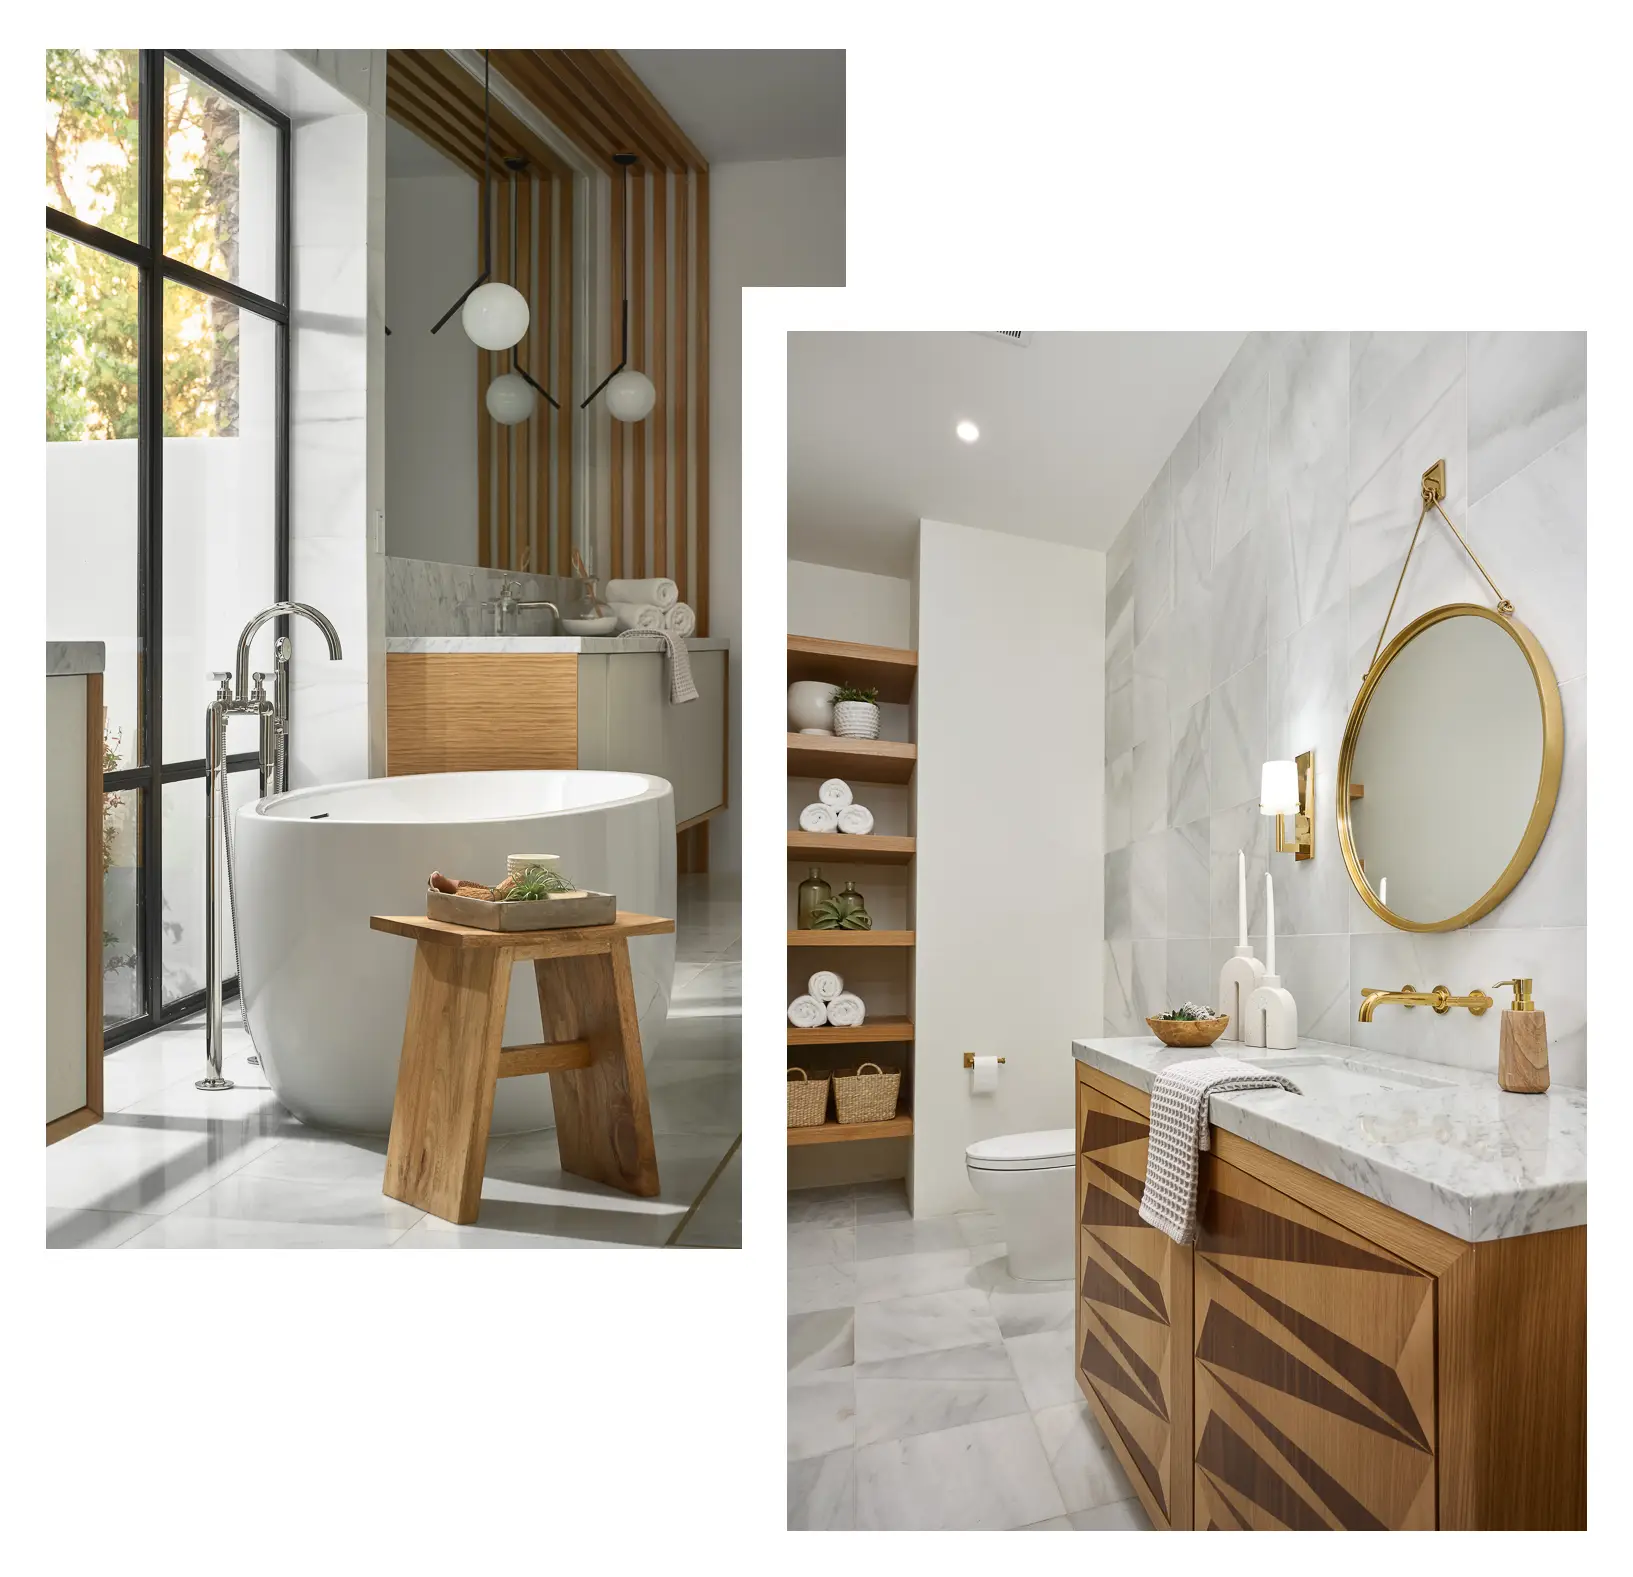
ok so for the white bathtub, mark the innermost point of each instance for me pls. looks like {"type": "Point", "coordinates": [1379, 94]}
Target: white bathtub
{"type": "Point", "coordinates": [327, 997]}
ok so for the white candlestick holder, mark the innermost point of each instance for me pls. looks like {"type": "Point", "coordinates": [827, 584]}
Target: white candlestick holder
{"type": "Point", "coordinates": [1271, 1020]}
{"type": "Point", "coordinates": [1238, 980]}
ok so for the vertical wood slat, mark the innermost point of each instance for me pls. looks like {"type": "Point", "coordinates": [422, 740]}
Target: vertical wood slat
{"type": "Point", "coordinates": [501, 272]}
{"type": "Point", "coordinates": [639, 359]}
{"type": "Point", "coordinates": [526, 436]}
{"type": "Point", "coordinates": [484, 426]}
{"type": "Point", "coordinates": [620, 290]}
{"type": "Point", "coordinates": [683, 392]}
{"type": "Point", "coordinates": [700, 603]}
{"type": "Point", "coordinates": [659, 374]}
{"type": "Point", "coordinates": [542, 365]}
{"type": "Point", "coordinates": [564, 419]}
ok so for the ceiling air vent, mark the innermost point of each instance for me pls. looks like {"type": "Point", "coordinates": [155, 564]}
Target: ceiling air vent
{"type": "Point", "coordinates": [1008, 336]}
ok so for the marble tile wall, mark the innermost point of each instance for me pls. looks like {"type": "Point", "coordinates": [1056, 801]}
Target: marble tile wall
{"type": "Point", "coordinates": [426, 598]}
{"type": "Point", "coordinates": [1245, 595]}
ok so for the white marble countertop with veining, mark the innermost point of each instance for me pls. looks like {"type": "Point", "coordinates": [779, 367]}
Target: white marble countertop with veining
{"type": "Point", "coordinates": [63, 658]}
{"type": "Point", "coordinates": [1458, 1153]}
{"type": "Point", "coordinates": [547, 643]}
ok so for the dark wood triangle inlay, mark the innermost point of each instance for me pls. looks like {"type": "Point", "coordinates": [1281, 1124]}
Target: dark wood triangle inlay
{"type": "Point", "coordinates": [1099, 1363]}
{"type": "Point", "coordinates": [1143, 1372]}
{"type": "Point", "coordinates": [1099, 1286]}
{"type": "Point", "coordinates": [1101, 1209]}
{"type": "Point", "coordinates": [1102, 1131]}
{"type": "Point", "coordinates": [1137, 1453]}
{"type": "Point", "coordinates": [1225, 1501]}
{"type": "Point", "coordinates": [1232, 1226]}
{"type": "Point", "coordinates": [1147, 1285]}
{"type": "Point", "coordinates": [1230, 1458]}
{"type": "Point", "coordinates": [1133, 1186]}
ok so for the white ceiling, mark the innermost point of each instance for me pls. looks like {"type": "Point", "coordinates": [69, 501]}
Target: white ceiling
{"type": "Point", "coordinates": [1074, 427]}
{"type": "Point", "coordinates": [742, 105]}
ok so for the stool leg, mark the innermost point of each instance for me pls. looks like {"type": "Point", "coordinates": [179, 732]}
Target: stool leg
{"type": "Point", "coordinates": [445, 1080]}
{"type": "Point", "coordinates": [603, 1123]}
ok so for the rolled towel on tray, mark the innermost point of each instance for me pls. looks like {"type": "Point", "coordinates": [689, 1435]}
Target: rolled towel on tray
{"type": "Point", "coordinates": [856, 820]}
{"type": "Point", "coordinates": [639, 616]}
{"type": "Point", "coordinates": [807, 1013]}
{"type": "Point", "coordinates": [846, 1010]}
{"type": "Point", "coordinates": [660, 592]}
{"type": "Point", "coordinates": [835, 794]}
{"type": "Point", "coordinates": [825, 985]}
{"type": "Point", "coordinates": [817, 818]}
{"type": "Point", "coordinates": [680, 620]}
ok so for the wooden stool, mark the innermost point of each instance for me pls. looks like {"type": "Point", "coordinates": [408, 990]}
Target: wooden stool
{"type": "Point", "coordinates": [453, 1057]}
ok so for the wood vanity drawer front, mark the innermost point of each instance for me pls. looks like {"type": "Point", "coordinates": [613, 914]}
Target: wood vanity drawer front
{"type": "Point", "coordinates": [1315, 1369]}
{"type": "Point", "coordinates": [481, 711]}
{"type": "Point", "coordinates": [1133, 1311]}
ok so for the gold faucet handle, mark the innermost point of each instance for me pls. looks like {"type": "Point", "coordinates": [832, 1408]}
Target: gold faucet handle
{"type": "Point", "coordinates": [1522, 993]}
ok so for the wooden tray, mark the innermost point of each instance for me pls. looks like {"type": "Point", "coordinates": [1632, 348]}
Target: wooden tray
{"type": "Point", "coordinates": [547, 914]}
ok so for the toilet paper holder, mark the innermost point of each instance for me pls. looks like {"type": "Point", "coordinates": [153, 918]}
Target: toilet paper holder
{"type": "Point", "coordinates": [969, 1059]}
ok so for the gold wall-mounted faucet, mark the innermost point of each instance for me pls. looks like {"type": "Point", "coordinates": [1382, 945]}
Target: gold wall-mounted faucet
{"type": "Point", "coordinates": [1440, 999]}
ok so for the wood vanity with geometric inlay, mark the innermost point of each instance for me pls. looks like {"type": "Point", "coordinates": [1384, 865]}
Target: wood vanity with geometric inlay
{"type": "Point", "coordinates": [1318, 1359]}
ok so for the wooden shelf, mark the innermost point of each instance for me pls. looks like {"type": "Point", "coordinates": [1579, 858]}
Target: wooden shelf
{"type": "Point", "coordinates": [842, 849]}
{"type": "Point", "coordinates": [886, 1027]}
{"type": "Point", "coordinates": [888, 669]}
{"type": "Point", "coordinates": [849, 1133]}
{"type": "Point", "coordinates": [855, 760]}
{"type": "Point", "coordinates": [850, 938]}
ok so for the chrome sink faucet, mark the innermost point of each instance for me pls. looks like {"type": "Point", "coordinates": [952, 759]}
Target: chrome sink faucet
{"type": "Point", "coordinates": [1440, 999]}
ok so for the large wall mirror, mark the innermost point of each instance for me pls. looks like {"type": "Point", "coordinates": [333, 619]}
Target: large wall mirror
{"type": "Point", "coordinates": [1450, 768]}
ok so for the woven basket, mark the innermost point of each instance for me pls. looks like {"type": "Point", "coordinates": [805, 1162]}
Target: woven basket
{"type": "Point", "coordinates": [807, 1100]}
{"type": "Point", "coordinates": [863, 1097]}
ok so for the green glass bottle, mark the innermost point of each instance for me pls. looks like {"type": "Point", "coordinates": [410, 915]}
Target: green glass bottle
{"type": "Point", "coordinates": [849, 901]}
{"type": "Point", "coordinates": [812, 891]}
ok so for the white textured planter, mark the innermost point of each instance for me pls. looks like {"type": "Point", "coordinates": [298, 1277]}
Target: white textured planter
{"type": "Point", "coordinates": [810, 707]}
{"type": "Point", "coordinates": [856, 720]}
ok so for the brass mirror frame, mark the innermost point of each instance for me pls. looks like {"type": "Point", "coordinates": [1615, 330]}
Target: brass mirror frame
{"type": "Point", "coordinates": [1542, 808]}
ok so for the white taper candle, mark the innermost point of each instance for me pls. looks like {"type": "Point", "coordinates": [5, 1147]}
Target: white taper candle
{"type": "Point", "coordinates": [1241, 899]}
{"type": "Point", "coordinates": [1269, 925]}
{"type": "Point", "coordinates": [1383, 891]}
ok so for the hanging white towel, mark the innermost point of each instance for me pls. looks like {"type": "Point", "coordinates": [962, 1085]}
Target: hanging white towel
{"type": "Point", "coordinates": [1179, 1131]}
{"type": "Point", "coordinates": [680, 620]}
{"type": "Point", "coordinates": [807, 1013]}
{"type": "Point", "coordinates": [835, 794]}
{"type": "Point", "coordinates": [660, 592]}
{"type": "Point", "coordinates": [638, 616]}
{"type": "Point", "coordinates": [846, 1010]}
{"type": "Point", "coordinates": [825, 985]}
{"type": "Point", "coordinates": [856, 820]}
{"type": "Point", "coordinates": [682, 688]}
{"type": "Point", "coordinates": [817, 818]}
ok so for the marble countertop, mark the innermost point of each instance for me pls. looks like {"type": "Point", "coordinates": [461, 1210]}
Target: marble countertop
{"type": "Point", "coordinates": [1461, 1154]}
{"type": "Point", "coordinates": [74, 657]}
{"type": "Point", "coordinates": [546, 643]}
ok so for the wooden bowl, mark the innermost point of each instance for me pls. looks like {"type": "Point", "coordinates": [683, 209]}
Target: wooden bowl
{"type": "Point", "coordinates": [1188, 1031]}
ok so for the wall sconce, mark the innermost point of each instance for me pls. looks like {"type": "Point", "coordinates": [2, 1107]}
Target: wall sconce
{"type": "Point", "coordinates": [1287, 788]}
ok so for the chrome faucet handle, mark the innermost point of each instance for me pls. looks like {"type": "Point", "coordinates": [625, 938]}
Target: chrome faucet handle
{"type": "Point", "coordinates": [223, 684]}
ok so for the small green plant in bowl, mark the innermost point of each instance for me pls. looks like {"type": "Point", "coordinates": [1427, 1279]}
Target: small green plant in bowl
{"type": "Point", "coordinates": [1191, 1025]}
{"type": "Point", "coordinates": [828, 916]}
{"type": "Point", "coordinates": [854, 692]}
{"type": "Point", "coordinates": [534, 884]}
{"type": "Point", "coordinates": [1189, 1013]}
{"type": "Point", "coordinates": [856, 711]}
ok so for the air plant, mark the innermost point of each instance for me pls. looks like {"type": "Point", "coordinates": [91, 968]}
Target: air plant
{"type": "Point", "coordinates": [1190, 1012]}
{"type": "Point", "coordinates": [828, 916]}
{"type": "Point", "coordinates": [535, 883]}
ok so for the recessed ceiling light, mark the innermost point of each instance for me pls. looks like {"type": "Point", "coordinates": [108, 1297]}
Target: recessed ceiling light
{"type": "Point", "coordinates": [968, 431]}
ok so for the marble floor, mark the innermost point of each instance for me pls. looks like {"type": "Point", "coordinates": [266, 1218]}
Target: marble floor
{"type": "Point", "coordinates": [928, 1390]}
{"type": "Point", "coordinates": [174, 1167]}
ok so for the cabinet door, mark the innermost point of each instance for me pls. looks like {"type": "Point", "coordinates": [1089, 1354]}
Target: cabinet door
{"type": "Point", "coordinates": [1133, 1311]}
{"type": "Point", "coordinates": [1314, 1381]}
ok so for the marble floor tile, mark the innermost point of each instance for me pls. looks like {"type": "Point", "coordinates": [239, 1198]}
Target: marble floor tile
{"type": "Point", "coordinates": [821, 1412]}
{"type": "Point", "coordinates": [992, 1474]}
{"type": "Point", "coordinates": [908, 1275]}
{"type": "Point", "coordinates": [315, 1157]}
{"type": "Point", "coordinates": [820, 1245]}
{"type": "Point", "coordinates": [897, 1326]}
{"type": "Point", "coordinates": [812, 1287]}
{"type": "Point", "coordinates": [822, 1493]}
{"type": "Point", "coordinates": [1046, 1367]}
{"type": "Point", "coordinates": [441, 1235]}
{"type": "Point", "coordinates": [1123, 1516]}
{"type": "Point", "coordinates": [822, 1339]}
{"type": "Point", "coordinates": [92, 1228]}
{"type": "Point", "coordinates": [717, 1219]}
{"type": "Point", "coordinates": [877, 1239]}
{"type": "Point", "coordinates": [1084, 1466]}
{"type": "Point", "coordinates": [335, 1203]}
{"type": "Point", "coordinates": [180, 1230]}
{"type": "Point", "coordinates": [979, 1227]}
{"type": "Point", "coordinates": [1022, 1308]}
{"type": "Point", "coordinates": [881, 1202]}
{"type": "Point", "coordinates": [927, 1392]}
{"type": "Point", "coordinates": [822, 1207]}
{"type": "Point", "coordinates": [122, 1164]}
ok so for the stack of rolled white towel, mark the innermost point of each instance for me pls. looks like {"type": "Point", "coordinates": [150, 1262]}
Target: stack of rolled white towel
{"type": "Point", "coordinates": [835, 811]}
{"type": "Point", "coordinates": [653, 605]}
{"type": "Point", "coordinates": [826, 1002]}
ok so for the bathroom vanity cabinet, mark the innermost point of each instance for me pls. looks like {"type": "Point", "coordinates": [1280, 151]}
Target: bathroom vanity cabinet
{"type": "Point", "coordinates": [1317, 1359]}
{"type": "Point", "coordinates": [469, 704]}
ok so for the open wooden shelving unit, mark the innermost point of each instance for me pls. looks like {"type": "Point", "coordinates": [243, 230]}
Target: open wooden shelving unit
{"type": "Point", "coordinates": [893, 672]}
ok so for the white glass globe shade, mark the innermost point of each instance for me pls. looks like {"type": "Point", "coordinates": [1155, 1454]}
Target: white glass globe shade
{"type": "Point", "coordinates": [495, 316]}
{"type": "Point", "coordinates": [630, 395]}
{"type": "Point", "coordinates": [510, 399]}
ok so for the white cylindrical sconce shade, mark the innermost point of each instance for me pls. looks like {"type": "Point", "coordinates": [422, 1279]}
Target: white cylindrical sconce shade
{"type": "Point", "coordinates": [495, 316]}
{"type": "Point", "coordinates": [509, 399]}
{"type": "Point", "coordinates": [1278, 788]}
{"type": "Point", "coordinates": [630, 395]}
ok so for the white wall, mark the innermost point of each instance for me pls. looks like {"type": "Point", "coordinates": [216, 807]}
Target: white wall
{"type": "Point", "coordinates": [775, 223]}
{"type": "Point", "coordinates": [849, 605]}
{"type": "Point", "coordinates": [431, 493]}
{"type": "Point", "coordinates": [1009, 826]}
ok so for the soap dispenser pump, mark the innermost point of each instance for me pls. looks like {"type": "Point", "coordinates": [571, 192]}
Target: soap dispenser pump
{"type": "Point", "coordinates": [1522, 1055]}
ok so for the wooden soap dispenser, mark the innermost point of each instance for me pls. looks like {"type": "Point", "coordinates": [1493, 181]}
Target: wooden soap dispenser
{"type": "Point", "coordinates": [1522, 1054]}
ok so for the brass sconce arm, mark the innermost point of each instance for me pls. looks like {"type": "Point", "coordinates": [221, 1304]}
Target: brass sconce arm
{"type": "Point", "coordinates": [1302, 844]}
{"type": "Point", "coordinates": [1440, 999]}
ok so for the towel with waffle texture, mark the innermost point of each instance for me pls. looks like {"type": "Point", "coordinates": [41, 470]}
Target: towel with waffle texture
{"type": "Point", "coordinates": [1179, 1133]}
{"type": "Point", "coordinates": [682, 687]}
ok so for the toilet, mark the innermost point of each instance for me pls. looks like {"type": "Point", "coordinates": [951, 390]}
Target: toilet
{"type": "Point", "coordinates": [1029, 1180]}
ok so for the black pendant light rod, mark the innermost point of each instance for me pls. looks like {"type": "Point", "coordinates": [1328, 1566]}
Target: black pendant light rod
{"type": "Point", "coordinates": [487, 234]}
{"type": "Point", "coordinates": [518, 167]}
{"type": "Point", "coordinates": [624, 160]}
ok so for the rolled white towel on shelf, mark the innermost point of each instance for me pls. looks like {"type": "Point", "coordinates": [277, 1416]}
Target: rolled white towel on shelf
{"type": "Point", "coordinates": [817, 818]}
{"type": "Point", "coordinates": [835, 794]}
{"type": "Point", "coordinates": [825, 985]}
{"type": "Point", "coordinates": [680, 620]}
{"type": "Point", "coordinates": [846, 1010]}
{"type": "Point", "coordinates": [660, 592]}
{"type": "Point", "coordinates": [856, 820]}
{"type": "Point", "coordinates": [807, 1013]}
{"type": "Point", "coordinates": [639, 616]}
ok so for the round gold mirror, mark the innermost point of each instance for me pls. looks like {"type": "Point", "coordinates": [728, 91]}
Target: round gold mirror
{"type": "Point", "coordinates": [1450, 768]}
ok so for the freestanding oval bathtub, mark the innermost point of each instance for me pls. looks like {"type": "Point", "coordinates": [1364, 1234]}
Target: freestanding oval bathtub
{"type": "Point", "coordinates": [326, 997]}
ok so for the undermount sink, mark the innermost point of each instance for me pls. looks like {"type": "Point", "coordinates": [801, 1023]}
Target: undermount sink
{"type": "Point", "coordinates": [1329, 1077]}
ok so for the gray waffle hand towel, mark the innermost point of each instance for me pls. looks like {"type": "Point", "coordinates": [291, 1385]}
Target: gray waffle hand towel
{"type": "Point", "coordinates": [1179, 1132]}
{"type": "Point", "coordinates": [682, 687]}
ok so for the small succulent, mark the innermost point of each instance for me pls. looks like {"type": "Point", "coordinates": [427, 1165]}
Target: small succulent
{"type": "Point", "coordinates": [1189, 1012]}
{"type": "Point", "coordinates": [535, 883]}
{"type": "Point", "coordinates": [828, 916]}
{"type": "Point", "coordinates": [852, 692]}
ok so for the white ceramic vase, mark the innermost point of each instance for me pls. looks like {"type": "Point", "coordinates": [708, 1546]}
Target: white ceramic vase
{"type": "Point", "coordinates": [810, 707]}
{"type": "Point", "coordinates": [856, 720]}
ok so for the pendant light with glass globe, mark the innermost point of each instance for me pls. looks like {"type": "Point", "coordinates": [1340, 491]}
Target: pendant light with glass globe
{"type": "Point", "coordinates": [510, 396]}
{"type": "Point", "coordinates": [630, 394]}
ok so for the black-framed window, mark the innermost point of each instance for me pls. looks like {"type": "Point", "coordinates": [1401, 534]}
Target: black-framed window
{"type": "Point", "coordinates": [167, 444]}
